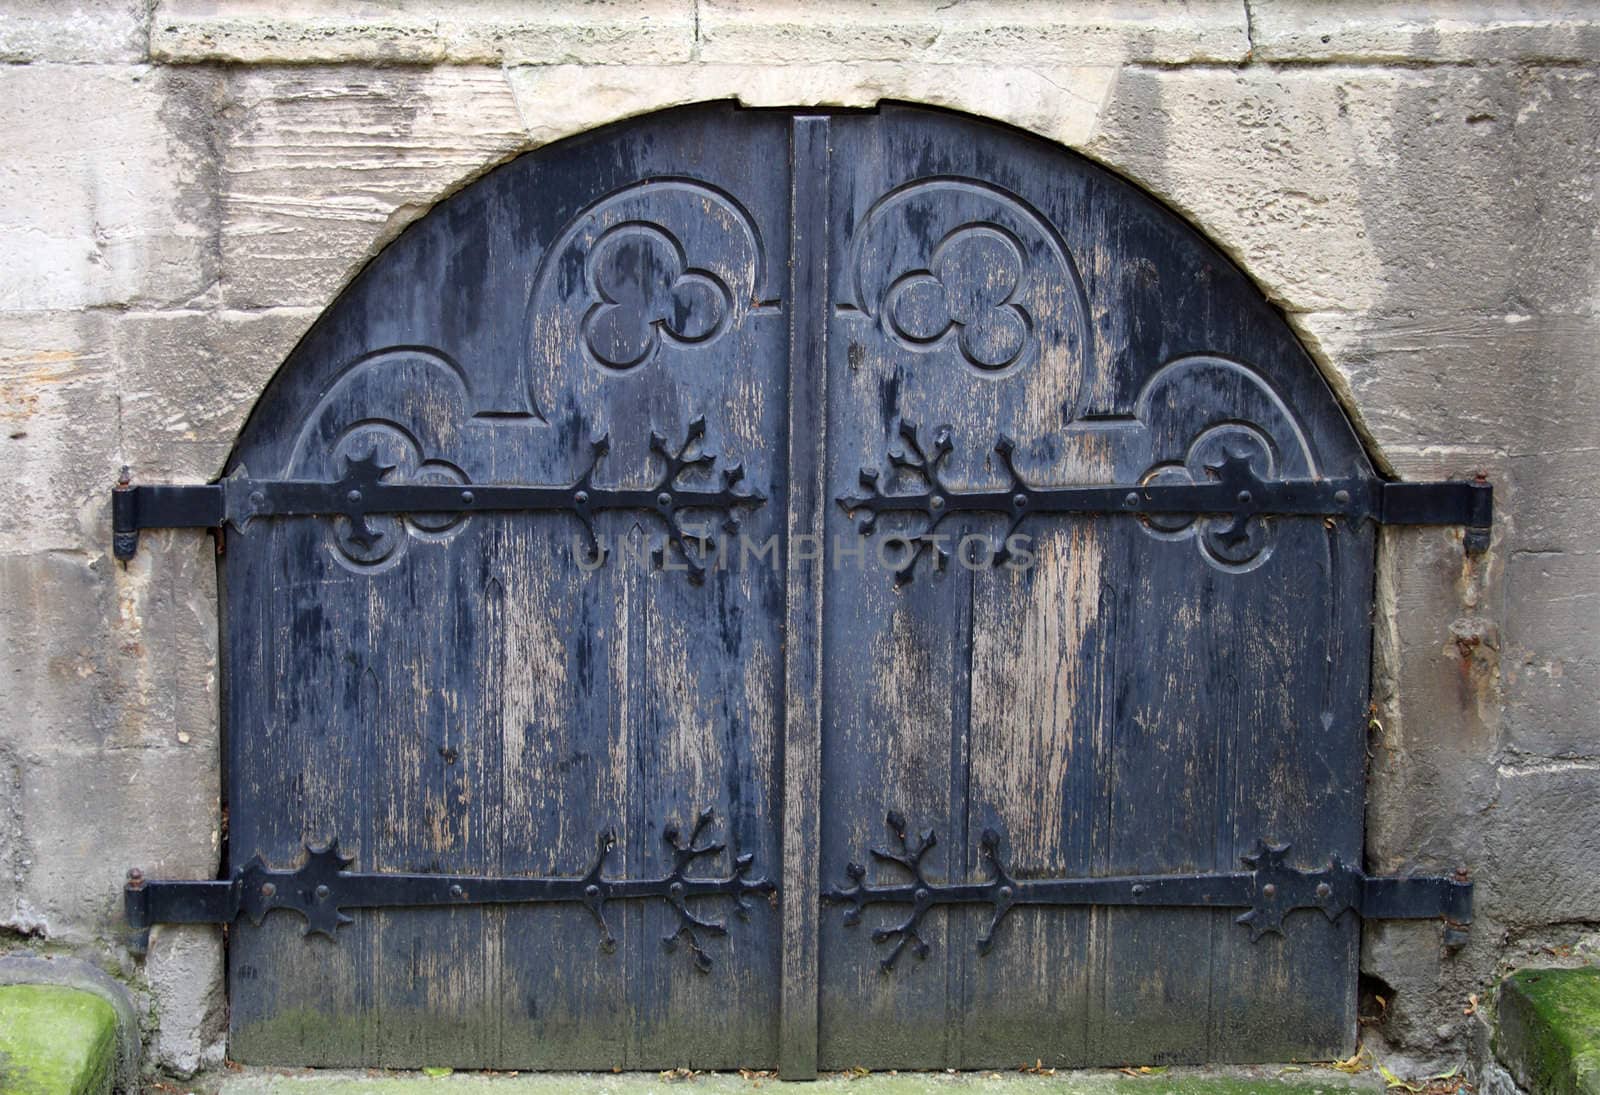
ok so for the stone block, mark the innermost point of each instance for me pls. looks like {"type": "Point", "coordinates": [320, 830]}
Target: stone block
{"type": "Point", "coordinates": [57, 684]}
{"type": "Point", "coordinates": [187, 381]}
{"type": "Point", "coordinates": [1416, 31]}
{"type": "Point", "coordinates": [58, 431]}
{"type": "Point", "coordinates": [107, 194]}
{"type": "Point", "coordinates": [97, 654]}
{"type": "Point", "coordinates": [14, 860]}
{"type": "Point", "coordinates": [320, 167]}
{"type": "Point", "coordinates": [1436, 687]}
{"type": "Point", "coordinates": [1519, 384]}
{"type": "Point", "coordinates": [1547, 1030]}
{"type": "Point", "coordinates": [424, 32]}
{"type": "Point", "coordinates": [1011, 32]}
{"type": "Point", "coordinates": [1560, 495]}
{"type": "Point", "coordinates": [56, 1041]}
{"type": "Point", "coordinates": [184, 970]}
{"type": "Point", "coordinates": [1543, 864]}
{"type": "Point", "coordinates": [1552, 652]}
{"type": "Point", "coordinates": [1389, 190]}
{"type": "Point", "coordinates": [89, 816]}
{"type": "Point", "coordinates": [97, 31]}
{"type": "Point", "coordinates": [1061, 103]}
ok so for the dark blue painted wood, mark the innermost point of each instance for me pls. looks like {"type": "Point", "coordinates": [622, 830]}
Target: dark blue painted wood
{"type": "Point", "coordinates": [1141, 700]}
{"type": "Point", "coordinates": [466, 696]}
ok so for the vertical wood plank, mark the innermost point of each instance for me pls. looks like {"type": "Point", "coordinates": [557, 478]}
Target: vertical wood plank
{"type": "Point", "coordinates": [802, 670]}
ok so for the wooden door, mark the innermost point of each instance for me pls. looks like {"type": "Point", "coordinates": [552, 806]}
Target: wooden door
{"type": "Point", "coordinates": [1142, 696]}
{"type": "Point", "coordinates": [474, 695]}
{"type": "Point", "coordinates": [902, 305]}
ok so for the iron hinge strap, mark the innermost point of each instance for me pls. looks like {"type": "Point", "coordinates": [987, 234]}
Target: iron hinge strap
{"type": "Point", "coordinates": [323, 887]}
{"type": "Point", "coordinates": [1268, 890]}
{"type": "Point", "coordinates": [1230, 488]}
{"type": "Point", "coordinates": [210, 505]}
{"type": "Point", "coordinates": [367, 487]}
{"type": "Point", "coordinates": [190, 505]}
{"type": "Point", "coordinates": [1467, 503]}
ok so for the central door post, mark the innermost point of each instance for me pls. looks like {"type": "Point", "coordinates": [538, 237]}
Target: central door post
{"type": "Point", "coordinates": [804, 571]}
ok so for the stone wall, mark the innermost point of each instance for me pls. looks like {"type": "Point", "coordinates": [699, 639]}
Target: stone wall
{"type": "Point", "coordinates": [185, 184]}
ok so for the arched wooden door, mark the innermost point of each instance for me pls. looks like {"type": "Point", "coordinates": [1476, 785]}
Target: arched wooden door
{"type": "Point", "coordinates": [1040, 558]}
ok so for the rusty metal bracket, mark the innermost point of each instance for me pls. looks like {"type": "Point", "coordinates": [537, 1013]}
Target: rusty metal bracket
{"type": "Point", "coordinates": [1268, 890]}
{"type": "Point", "coordinates": [323, 887]}
{"type": "Point", "coordinates": [367, 489]}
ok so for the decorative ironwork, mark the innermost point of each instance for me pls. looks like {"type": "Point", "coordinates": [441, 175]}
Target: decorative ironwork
{"type": "Point", "coordinates": [364, 491]}
{"type": "Point", "coordinates": [323, 887]}
{"type": "Point", "coordinates": [1269, 890]}
{"type": "Point", "coordinates": [1235, 491]}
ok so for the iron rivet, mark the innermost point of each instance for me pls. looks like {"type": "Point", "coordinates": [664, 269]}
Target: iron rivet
{"type": "Point", "coordinates": [1244, 498]}
{"type": "Point", "coordinates": [923, 895]}
{"type": "Point", "coordinates": [1020, 501]}
{"type": "Point", "coordinates": [1131, 500]}
{"type": "Point", "coordinates": [322, 893]}
{"type": "Point", "coordinates": [457, 891]}
{"type": "Point", "coordinates": [257, 499]}
{"type": "Point", "coordinates": [1270, 890]}
{"type": "Point", "coordinates": [676, 889]}
{"type": "Point", "coordinates": [466, 497]}
{"type": "Point", "coordinates": [268, 889]}
{"type": "Point", "coordinates": [1324, 890]}
{"type": "Point", "coordinates": [581, 498]}
{"type": "Point", "coordinates": [664, 499]}
{"type": "Point", "coordinates": [1138, 889]}
{"type": "Point", "coordinates": [936, 502]}
{"type": "Point", "coordinates": [591, 891]}
{"type": "Point", "coordinates": [354, 496]}
{"type": "Point", "coordinates": [1005, 893]}
{"type": "Point", "coordinates": [1342, 497]}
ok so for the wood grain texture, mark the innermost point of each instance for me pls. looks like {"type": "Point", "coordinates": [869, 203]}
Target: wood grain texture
{"type": "Point", "coordinates": [1143, 700]}
{"type": "Point", "coordinates": [466, 696]}
{"type": "Point", "coordinates": [830, 293]}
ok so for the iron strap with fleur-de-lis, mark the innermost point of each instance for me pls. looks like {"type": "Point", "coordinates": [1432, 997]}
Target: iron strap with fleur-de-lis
{"type": "Point", "coordinates": [323, 887]}
{"type": "Point", "coordinates": [1269, 889]}
{"type": "Point", "coordinates": [367, 490]}
{"type": "Point", "coordinates": [1235, 491]}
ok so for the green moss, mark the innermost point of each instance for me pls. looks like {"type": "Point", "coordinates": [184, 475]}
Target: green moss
{"type": "Point", "coordinates": [1547, 1030]}
{"type": "Point", "coordinates": [55, 1041]}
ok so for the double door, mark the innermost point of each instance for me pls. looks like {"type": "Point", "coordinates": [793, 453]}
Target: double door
{"type": "Point", "coordinates": [786, 378]}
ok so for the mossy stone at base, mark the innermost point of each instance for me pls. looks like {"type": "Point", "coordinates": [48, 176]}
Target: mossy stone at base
{"type": "Point", "coordinates": [1547, 1030]}
{"type": "Point", "coordinates": [56, 1041]}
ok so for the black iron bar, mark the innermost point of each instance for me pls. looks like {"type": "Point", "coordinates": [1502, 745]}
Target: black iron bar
{"type": "Point", "coordinates": [1269, 890]}
{"type": "Point", "coordinates": [323, 887]}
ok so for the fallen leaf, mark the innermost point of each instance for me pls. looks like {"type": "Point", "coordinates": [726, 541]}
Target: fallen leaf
{"type": "Point", "coordinates": [1391, 1080]}
{"type": "Point", "coordinates": [1357, 1062]}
